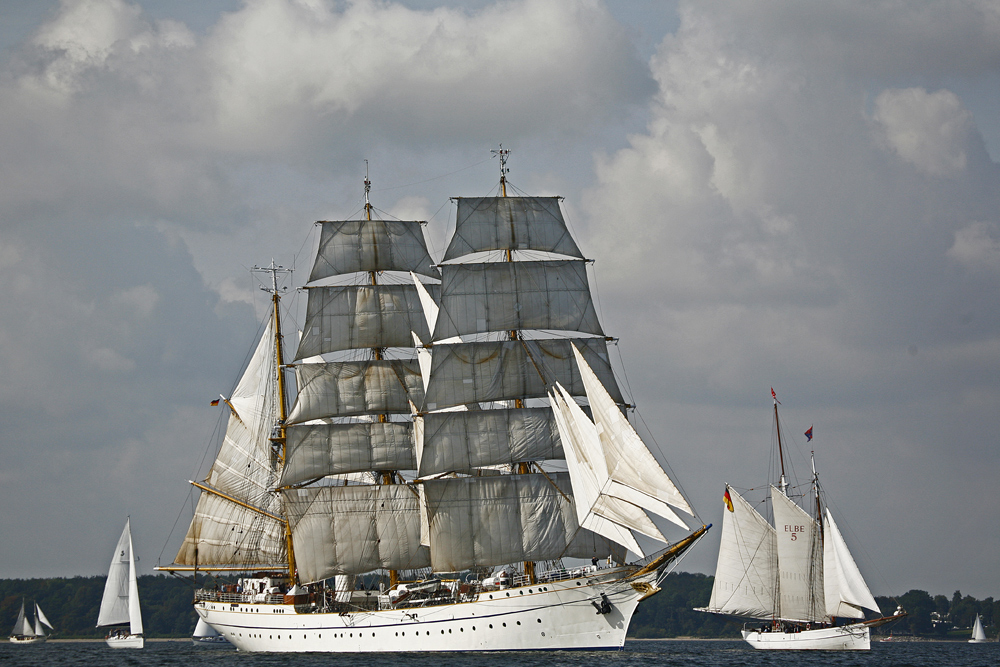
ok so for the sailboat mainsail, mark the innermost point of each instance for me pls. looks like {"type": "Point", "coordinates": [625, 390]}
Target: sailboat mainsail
{"type": "Point", "coordinates": [120, 602]}
{"type": "Point", "coordinates": [429, 436]}
{"type": "Point", "coordinates": [978, 633]}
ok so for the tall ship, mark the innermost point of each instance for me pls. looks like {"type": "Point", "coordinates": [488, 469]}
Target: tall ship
{"type": "Point", "coordinates": [794, 580]}
{"type": "Point", "coordinates": [456, 471]}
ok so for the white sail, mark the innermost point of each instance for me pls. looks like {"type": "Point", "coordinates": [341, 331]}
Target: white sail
{"type": "Point", "coordinates": [464, 441]}
{"type": "Point", "coordinates": [600, 513]}
{"type": "Point", "coordinates": [317, 450]}
{"type": "Point", "coordinates": [504, 296]}
{"type": "Point", "coordinates": [40, 616]}
{"type": "Point", "coordinates": [631, 466]}
{"type": "Point", "coordinates": [845, 589]}
{"type": "Point", "coordinates": [800, 564]}
{"type": "Point", "coordinates": [353, 388]}
{"type": "Point", "coordinates": [355, 529]}
{"type": "Point", "coordinates": [203, 629]}
{"type": "Point", "coordinates": [362, 316]}
{"type": "Point", "coordinates": [978, 633]}
{"type": "Point", "coordinates": [224, 530]}
{"type": "Point", "coordinates": [487, 521]}
{"type": "Point", "coordinates": [350, 246]}
{"type": "Point", "coordinates": [120, 603]}
{"type": "Point", "coordinates": [22, 626]}
{"type": "Point", "coordinates": [510, 223]}
{"type": "Point", "coordinates": [429, 304]}
{"type": "Point", "coordinates": [505, 370]}
{"type": "Point", "coordinates": [746, 573]}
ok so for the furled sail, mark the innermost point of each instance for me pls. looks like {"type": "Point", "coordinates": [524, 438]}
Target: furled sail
{"type": "Point", "coordinates": [504, 296]}
{"type": "Point", "coordinates": [355, 529]}
{"type": "Point", "coordinates": [351, 246]}
{"type": "Point", "coordinates": [238, 524]}
{"type": "Point", "coordinates": [503, 370]}
{"type": "Point", "coordinates": [800, 563]}
{"type": "Point", "coordinates": [846, 591]}
{"type": "Point", "coordinates": [635, 474]}
{"type": "Point", "coordinates": [120, 603]}
{"type": "Point", "coordinates": [488, 521]}
{"type": "Point", "coordinates": [464, 441]}
{"type": "Point", "coordinates": [316, 450]}
{"type": "Point", "coordinates": [510, 223]}
{"type": "Point", "coordinates": [362, 316]}
{"type": "Point", "coordinates": [351, 388]}
{"type": "Point", "coordinates": [746, 574]}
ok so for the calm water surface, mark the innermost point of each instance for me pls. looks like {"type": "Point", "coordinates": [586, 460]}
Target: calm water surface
{"type": "Point", "coordinates": [636, 654]}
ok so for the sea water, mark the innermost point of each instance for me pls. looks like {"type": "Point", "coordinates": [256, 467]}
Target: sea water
{"type": "Point", "coordinates": [673, 653]}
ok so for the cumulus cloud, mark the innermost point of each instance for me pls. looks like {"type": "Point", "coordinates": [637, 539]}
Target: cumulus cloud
{"type": "Point", "coordinates": [930, 130]}
{"type": "Point", "coordinates": [977, 247]}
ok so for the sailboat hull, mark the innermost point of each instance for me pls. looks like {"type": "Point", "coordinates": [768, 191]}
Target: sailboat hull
{"type": "Point", "coordinates": [129, 641]}
{"type": "Point", "coordinates": [855, 637]}
{"type": "Point", "coordinates": [552, 616]}
{"type": "Point", "coordinates": [28, 640]}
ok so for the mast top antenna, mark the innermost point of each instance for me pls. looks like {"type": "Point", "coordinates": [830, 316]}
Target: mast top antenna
{"type": "Point", "coordinates": [274, 270]}
{"type": "Point", "coordinates": [504, 169]}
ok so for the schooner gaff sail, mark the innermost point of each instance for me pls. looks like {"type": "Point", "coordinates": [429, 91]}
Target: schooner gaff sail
{"type": "Point", "coordinates": [413, 498]}
{"type": "Point", "coordinates": [797, 576]}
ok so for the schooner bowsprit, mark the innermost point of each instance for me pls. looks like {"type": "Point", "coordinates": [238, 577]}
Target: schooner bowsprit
{"type": "Point", "coordinates": [436, 466]}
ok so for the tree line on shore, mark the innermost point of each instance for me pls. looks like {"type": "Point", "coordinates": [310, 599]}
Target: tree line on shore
{"type": "Point", "coordinates": [72, 605]}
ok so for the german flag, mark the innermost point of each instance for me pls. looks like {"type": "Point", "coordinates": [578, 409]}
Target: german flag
{"type": "Point", "coordinates": [728, 500]}
{"type": "Point", "coordinates": [215, 402]}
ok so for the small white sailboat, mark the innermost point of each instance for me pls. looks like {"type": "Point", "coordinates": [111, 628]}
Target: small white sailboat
{"type": "Point", "coordinates": [797, 577]}
{"type": "Point", "coordinates": [978, 633]}
{"type": "Point", "coordinates": [120, 603]}
{"type": "Point", "coordinates": [206, 635]}
{"type": "Point", "coordinates": [24, 633]}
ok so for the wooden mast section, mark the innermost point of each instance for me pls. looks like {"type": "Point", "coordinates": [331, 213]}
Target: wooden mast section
{"type": "Point", "coordinates": [278, 439]}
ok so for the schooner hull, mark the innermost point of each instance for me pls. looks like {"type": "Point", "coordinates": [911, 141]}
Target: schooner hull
{"type": "Point", "coordinates": [130, 641]}
{"type": "Point", "coordinates": [550, 616]}
{"type": "Point", "coordinates": [29, 640]}
{"type": "Point", "coordinates": [855, 637]}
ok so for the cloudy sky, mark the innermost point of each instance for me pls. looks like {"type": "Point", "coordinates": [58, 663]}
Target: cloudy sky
{"type": "Point", "coordinates": [797, 195]}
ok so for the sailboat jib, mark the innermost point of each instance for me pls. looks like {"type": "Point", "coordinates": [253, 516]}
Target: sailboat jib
{"type": "Point", "coordinates": [362, 316]}
{"type": "Point", "coordinates": [747, 570]}
{"type": "Point", "coordinates": [846, 591]}
{"type": "Point", "coordinates": [510, 223]}
{"type": "Point", "coordinates": [464, 441]}
{"type": "Point", "coordinates": [506, 370]}
{"type": "Point", "coordinates": [317, 450]}
{"type": "Point", "coordinates": [504, 296]}
{"type": "Point", "coordinates": [41, 618]}
{"type": "Point", "coordinates": [352, 246]}
{"type": "Point", "coordinates": [629, 461]}
{"type": "Point", "coordinates": [591, 483]}
{"type": "Point", "coordinates": [355, 529]}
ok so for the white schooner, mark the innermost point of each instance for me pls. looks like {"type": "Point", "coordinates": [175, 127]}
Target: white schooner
{"type": "Point", "coordinates": [436, 466]}
{"type": "Point", "coordinates": [796, 578]}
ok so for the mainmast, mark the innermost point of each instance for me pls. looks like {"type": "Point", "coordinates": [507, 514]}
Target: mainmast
{"type": "Point", "coordinates": [783, 483]}
{"type": "Point", "coordinates": [278, 436]}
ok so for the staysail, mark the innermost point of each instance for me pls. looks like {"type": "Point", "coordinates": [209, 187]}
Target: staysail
{"type": "Point", "coordinates": [846, 591]}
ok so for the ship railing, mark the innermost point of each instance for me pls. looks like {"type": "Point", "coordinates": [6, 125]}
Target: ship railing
{"type": "Point", "coordinates": [206, 595]}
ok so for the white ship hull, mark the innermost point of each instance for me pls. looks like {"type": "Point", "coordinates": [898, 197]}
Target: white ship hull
{"type": "Point", "coordinates": [550, 616]}
{"type": "Point", "coordinates": [39, 639]}
{"type": "Point", "coordinates": [129, 641]}
{"type": "Point", "coordinates": [854, 637]}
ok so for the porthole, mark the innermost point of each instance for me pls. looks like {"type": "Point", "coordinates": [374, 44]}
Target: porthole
{"type": "Point", "coordinates": [461, 629]}
{"type": "Point", "coordinates": [491, 626]}
{"type": "Point", "coordinates": [519, 622]}
{"type": "Point", "coordinates": [505, 625]}
{"type": "Point", "coordinates": [529, 590]}
{"type": "Point", "coordinates": [520, 592]}
{"type": "Point", "coordinates": [539, 620]}
{"type": "Point", "coordinates": [508, 594]}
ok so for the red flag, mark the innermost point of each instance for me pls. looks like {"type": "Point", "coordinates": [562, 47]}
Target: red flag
{"type": "Point", "coordinates": [729, 501]}
{"type": "Point", "coordinates": [775, 396]}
